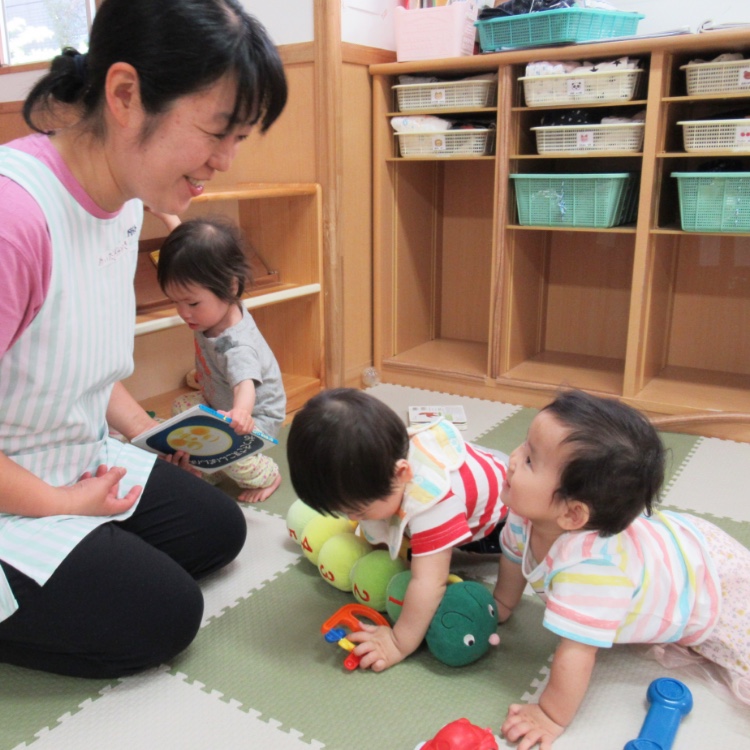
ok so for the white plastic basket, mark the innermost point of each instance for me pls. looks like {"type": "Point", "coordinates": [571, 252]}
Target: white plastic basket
{"type": "Point", "coordinates": [576, 139]}
{"type": "Point", "coordinates": [443, 143]}
{"type": "Point", "coordinates": [443, 94]}
{"type": "Point", "coordinates": [717, 77]}
{"type": "Point", "coordinates": [703, 135]}
{"type": "Point", "coordinates": [572, 88]}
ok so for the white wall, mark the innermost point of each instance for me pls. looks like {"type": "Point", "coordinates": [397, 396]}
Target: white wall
{"type": "Point", "coordinates": [287, 22]}
{"type": "Point", "coordinates": [664, 15]}
{"type": "Point", "coordinates": [370, 23]}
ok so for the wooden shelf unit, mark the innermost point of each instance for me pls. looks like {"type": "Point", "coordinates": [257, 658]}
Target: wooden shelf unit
{"type": "Point", "coordinates": [283, 223]}
{"type": "Point", "coordinates": [468, 301]}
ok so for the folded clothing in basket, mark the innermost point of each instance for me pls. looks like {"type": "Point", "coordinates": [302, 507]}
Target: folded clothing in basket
{"type": "Point", "coordinates": [432, 124]}
{"type": "Point", "coordinates": [420, 124]}
{"type": "Point", "coordinates": [565, 67]}
{"type": "Point", "coordinates": [587, 117]}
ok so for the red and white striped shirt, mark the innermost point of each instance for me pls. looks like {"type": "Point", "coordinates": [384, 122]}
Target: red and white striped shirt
{"type": "Point", "coordinates": [469, 511]}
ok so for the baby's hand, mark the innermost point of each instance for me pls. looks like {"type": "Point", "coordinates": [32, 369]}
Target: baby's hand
{"type": "Point", "coordinates": [170, 220]}
{"type": "Point", "coordinates": [377, 647]}
{"type": "Point", "coordinates": [529, 724]}
{"type": "Point", "coordinates": [242, 420]}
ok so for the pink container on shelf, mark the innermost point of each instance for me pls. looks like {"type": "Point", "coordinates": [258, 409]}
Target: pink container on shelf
{"type": "Point", "coordinates": [429, 33]}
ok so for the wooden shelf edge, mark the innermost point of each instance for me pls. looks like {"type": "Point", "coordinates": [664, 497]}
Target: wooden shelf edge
{"type": "Point", "coordinates": [258, 190]}
{"type": "Point", "coordinates": [298, 389]}
{"type": "Point", "coordinates": [168, 318]}
{"type": "Point", "coordinates": [624, 229]}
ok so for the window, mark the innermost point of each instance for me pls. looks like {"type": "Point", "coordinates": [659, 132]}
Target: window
{"type": "Point", "coordinates": [36, 30]}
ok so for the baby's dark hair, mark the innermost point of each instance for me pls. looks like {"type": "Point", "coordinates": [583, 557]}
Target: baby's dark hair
{"type": "Point", "coordinates": [616, 462]}
{"type": "Point", "coordinates": [208, 252]}
{"type": "Point", "coordinates": [343, 447]}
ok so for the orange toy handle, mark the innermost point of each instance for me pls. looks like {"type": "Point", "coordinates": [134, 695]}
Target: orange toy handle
{"type": "Point", "coordinates": [349, 615]}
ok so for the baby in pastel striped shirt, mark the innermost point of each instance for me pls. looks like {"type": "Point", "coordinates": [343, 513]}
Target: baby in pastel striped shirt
{"type": "Point", "coordinates": [610, 568]}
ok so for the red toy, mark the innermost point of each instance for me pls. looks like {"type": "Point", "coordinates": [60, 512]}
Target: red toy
{"type": "Point", "coordinates": [461, 735]}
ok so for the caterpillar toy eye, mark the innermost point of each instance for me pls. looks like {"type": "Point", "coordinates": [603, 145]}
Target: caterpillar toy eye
{"type": "Point", "coordinates": [491, 610]}
{"type": "Point", "coordinates": [469, 640]}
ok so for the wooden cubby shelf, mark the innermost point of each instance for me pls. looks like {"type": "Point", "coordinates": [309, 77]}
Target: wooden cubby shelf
{"type": "Point", "coordinates": [467, 300]}
{"type": "Point", "coordinates": [283, 225]}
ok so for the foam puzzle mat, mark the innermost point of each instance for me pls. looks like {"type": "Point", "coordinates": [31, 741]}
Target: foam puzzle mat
{"type": "Point", "coordinates": [260, 675]}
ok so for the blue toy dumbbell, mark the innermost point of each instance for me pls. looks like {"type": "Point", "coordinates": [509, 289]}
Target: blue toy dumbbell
{"type": "Point", "coordinates": [670, 701]}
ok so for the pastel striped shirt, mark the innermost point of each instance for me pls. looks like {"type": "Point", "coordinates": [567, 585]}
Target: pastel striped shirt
{"type": "Point", "coordinates": [652, 583]}
{"type": "Point", "coordinates": [57, 377]}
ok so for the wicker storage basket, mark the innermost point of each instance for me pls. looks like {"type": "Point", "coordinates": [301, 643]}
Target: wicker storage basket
{"type": "Point", "coordinates": [576, 139]}
{"type": "Point", "coordinates": [446, 143]}
{"type": "Point", "coordinates": [445, 95]}
{"type": "Point", "coordinates": [704, 135]}
{"type": "Point", "coordinates": [580, 88]}
{"type": "Point", "coordinates": [717, 77]}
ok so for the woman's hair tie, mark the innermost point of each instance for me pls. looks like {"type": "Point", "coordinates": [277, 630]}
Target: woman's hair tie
{"type": "Point", "coordinates": [79, 61]}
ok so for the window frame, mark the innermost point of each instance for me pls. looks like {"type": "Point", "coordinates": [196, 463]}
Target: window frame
{"type": "Point", "coordinates": [7, 67]}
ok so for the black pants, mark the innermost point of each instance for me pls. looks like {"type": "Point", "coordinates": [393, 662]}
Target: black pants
{"type": "Point", "coordinates": [125, 598]}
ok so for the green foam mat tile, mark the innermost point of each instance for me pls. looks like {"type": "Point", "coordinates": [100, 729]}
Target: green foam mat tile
{"type": "Point", "coordinates": [268, 654]}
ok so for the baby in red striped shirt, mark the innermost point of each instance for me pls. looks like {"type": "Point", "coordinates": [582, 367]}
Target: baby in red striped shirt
{"type": "Point", "coordinates": [350, 453]}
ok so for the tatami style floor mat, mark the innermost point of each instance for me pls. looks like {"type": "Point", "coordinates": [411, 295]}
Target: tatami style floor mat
{"type": "Point", "coordinates": [259, 674]}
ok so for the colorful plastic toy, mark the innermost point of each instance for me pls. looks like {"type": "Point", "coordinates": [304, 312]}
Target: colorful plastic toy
{"type": "Point", "coordinates": [350, 616]}
{"type": "Point", "coordinates": [461, 735]}
{"type": "Point", "coordinates": [670, 700]}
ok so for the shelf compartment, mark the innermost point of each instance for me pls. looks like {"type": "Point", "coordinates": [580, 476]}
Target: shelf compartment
{"type": "Point", "coordinates": [558, 369]}
{"type": "Point", "coordinates": [439, 265]}
{"type": "Point", "coordinates": [686, 389]}
{"type": "Point", "coordinates": [700, 307]}
{"type": "Point", "coordinates": [566, 303]}
{"type": "Point", "coordinates": [443, 357]}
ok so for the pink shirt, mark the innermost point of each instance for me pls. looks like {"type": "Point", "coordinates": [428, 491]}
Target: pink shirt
{"type": "Point", "coordinates": [25, 248]}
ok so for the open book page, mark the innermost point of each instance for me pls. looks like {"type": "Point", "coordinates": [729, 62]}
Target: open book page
{"type": "Point", "coordinates": [206, 436]}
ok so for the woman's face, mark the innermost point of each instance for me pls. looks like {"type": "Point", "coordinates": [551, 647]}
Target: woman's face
{"type": "Point", "coordinates": [187, 145]}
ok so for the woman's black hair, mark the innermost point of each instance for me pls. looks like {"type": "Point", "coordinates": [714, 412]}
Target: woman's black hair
{"type": "Point", "coordinates": [342, 449]}
{"type": "Point", "coordinates": [616, 460]}
{"type": "Point", "coordinates": [177, 47]}
{"type": "Point", "coordinates": [208, 252]}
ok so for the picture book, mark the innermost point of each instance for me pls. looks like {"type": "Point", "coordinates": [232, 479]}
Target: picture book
{"type": "Point", "coordinates": [424, 414]}
{"type": "Point", "coordinates": [206, 436]}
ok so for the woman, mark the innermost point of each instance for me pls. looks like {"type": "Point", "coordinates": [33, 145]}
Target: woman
{"type": "Point", "coordinates": [100, 544]}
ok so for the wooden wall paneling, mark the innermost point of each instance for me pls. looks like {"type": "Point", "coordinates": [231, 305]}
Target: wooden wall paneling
{"type": "Point", "coordinates": [329, 161]}
{"type": "Point", "coordinates": [355, 222]}
{"type": "Point", "coordinates": [467, 234]}
{"type": "Point", "coordinates": [644, 357]}
{"type": "Point", "coordinates": [384, 187]}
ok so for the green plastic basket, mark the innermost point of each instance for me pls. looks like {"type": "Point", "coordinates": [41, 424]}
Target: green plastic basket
{"type": "Point", "coordinates": [714, 201]}
{"type": "Point", "coordinates": [562, 26]}
{"type": "Point", "coordinates": [576, 200]}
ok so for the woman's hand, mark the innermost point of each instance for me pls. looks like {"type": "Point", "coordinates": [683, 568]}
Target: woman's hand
{"type": "Point", "coordinates": [377, 647]}
{"type": "Point", "coordinates": [98, 494]}
{"type": "Point", "coordinates": [181, 459]}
